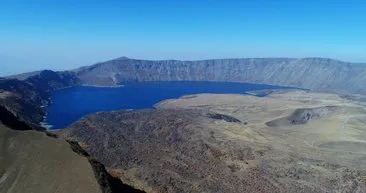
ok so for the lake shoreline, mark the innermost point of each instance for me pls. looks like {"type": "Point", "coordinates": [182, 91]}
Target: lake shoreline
{"type": "Point", "coordinates": [69, 105]}
{"type": "Point", "coordinates": [99, 86]}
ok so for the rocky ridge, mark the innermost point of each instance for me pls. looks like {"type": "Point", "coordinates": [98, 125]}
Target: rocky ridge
{"type": "Point", "coordinates": [20, 104]}
{"type": "Point", "coordinates": [319, 74]}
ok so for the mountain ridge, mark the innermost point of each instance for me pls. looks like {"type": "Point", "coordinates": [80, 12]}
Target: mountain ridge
{"type": "Point", "coordinates": [321, 74]}
{"type": "Point", "coordinates": [314, 73]}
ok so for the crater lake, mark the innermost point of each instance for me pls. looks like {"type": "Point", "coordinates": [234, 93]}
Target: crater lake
{"type": "Point", "coordinates": [70, 104]}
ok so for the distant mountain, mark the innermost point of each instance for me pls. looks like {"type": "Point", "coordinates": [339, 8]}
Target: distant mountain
{"type": "Point", "coordinates": [311, 73]}
{"type": "Point", "coordinates": [320, 74]}
{"type": "Point", "coordinates": [23, 76]}
{"type": "Point", "coordinates": [49, 80]}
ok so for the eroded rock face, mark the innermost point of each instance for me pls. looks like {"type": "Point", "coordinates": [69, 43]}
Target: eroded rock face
{"type": "Point", "coordinates": [309, 73]}
{"type": "Point", "coordinates": [319, 74]}
{"type": "Point", "coordinates": [302, 116]}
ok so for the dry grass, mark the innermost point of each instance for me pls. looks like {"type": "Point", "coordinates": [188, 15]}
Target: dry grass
{"type": "Point", "coordinates": [179, 148]}
{"type": "Point", "coordinates": [336, 139]}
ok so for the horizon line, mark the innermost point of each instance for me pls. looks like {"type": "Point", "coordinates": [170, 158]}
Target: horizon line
{"type": "Point", "coordinates": [234, 58]}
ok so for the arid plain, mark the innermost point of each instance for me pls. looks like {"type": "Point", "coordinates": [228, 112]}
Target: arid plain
{"type": "Point", "coordinates": [307, 138]}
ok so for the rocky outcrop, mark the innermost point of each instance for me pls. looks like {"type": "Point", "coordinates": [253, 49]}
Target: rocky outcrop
{"type": "Point", "coordinates": [12, 121]}
{"type": "Point", "coordinates": [309, 73]}
{"type": "Point", "coordinates": [303, 116]}
{"type": "Point", "coordinates": [226, 118]}
{"type": "Point", "coordinates": [108, 183]}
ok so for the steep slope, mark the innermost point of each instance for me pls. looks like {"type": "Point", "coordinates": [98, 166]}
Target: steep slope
{"type": "Point", "coordinates": [320, 74]}
{"type": "Point", "coordinates": [48, 80]}
{"type": "Point", "coordinates": [24, 90]}
{"type": "Point", "coordinates": [34, 163]}
{"type": "Point", "coordinates": [310, 73]}
{"type": "Point", "coordinates": [23, 76]}
{"type": "Point", "coordinates": [20, 104]}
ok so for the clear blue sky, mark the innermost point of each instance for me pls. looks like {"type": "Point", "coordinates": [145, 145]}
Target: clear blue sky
{"type": "Point", "coordinates": [67, 34]}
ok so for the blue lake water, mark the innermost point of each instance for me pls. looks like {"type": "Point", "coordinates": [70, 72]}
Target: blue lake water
{"type": "Point", "coordinates": [69, 105]}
